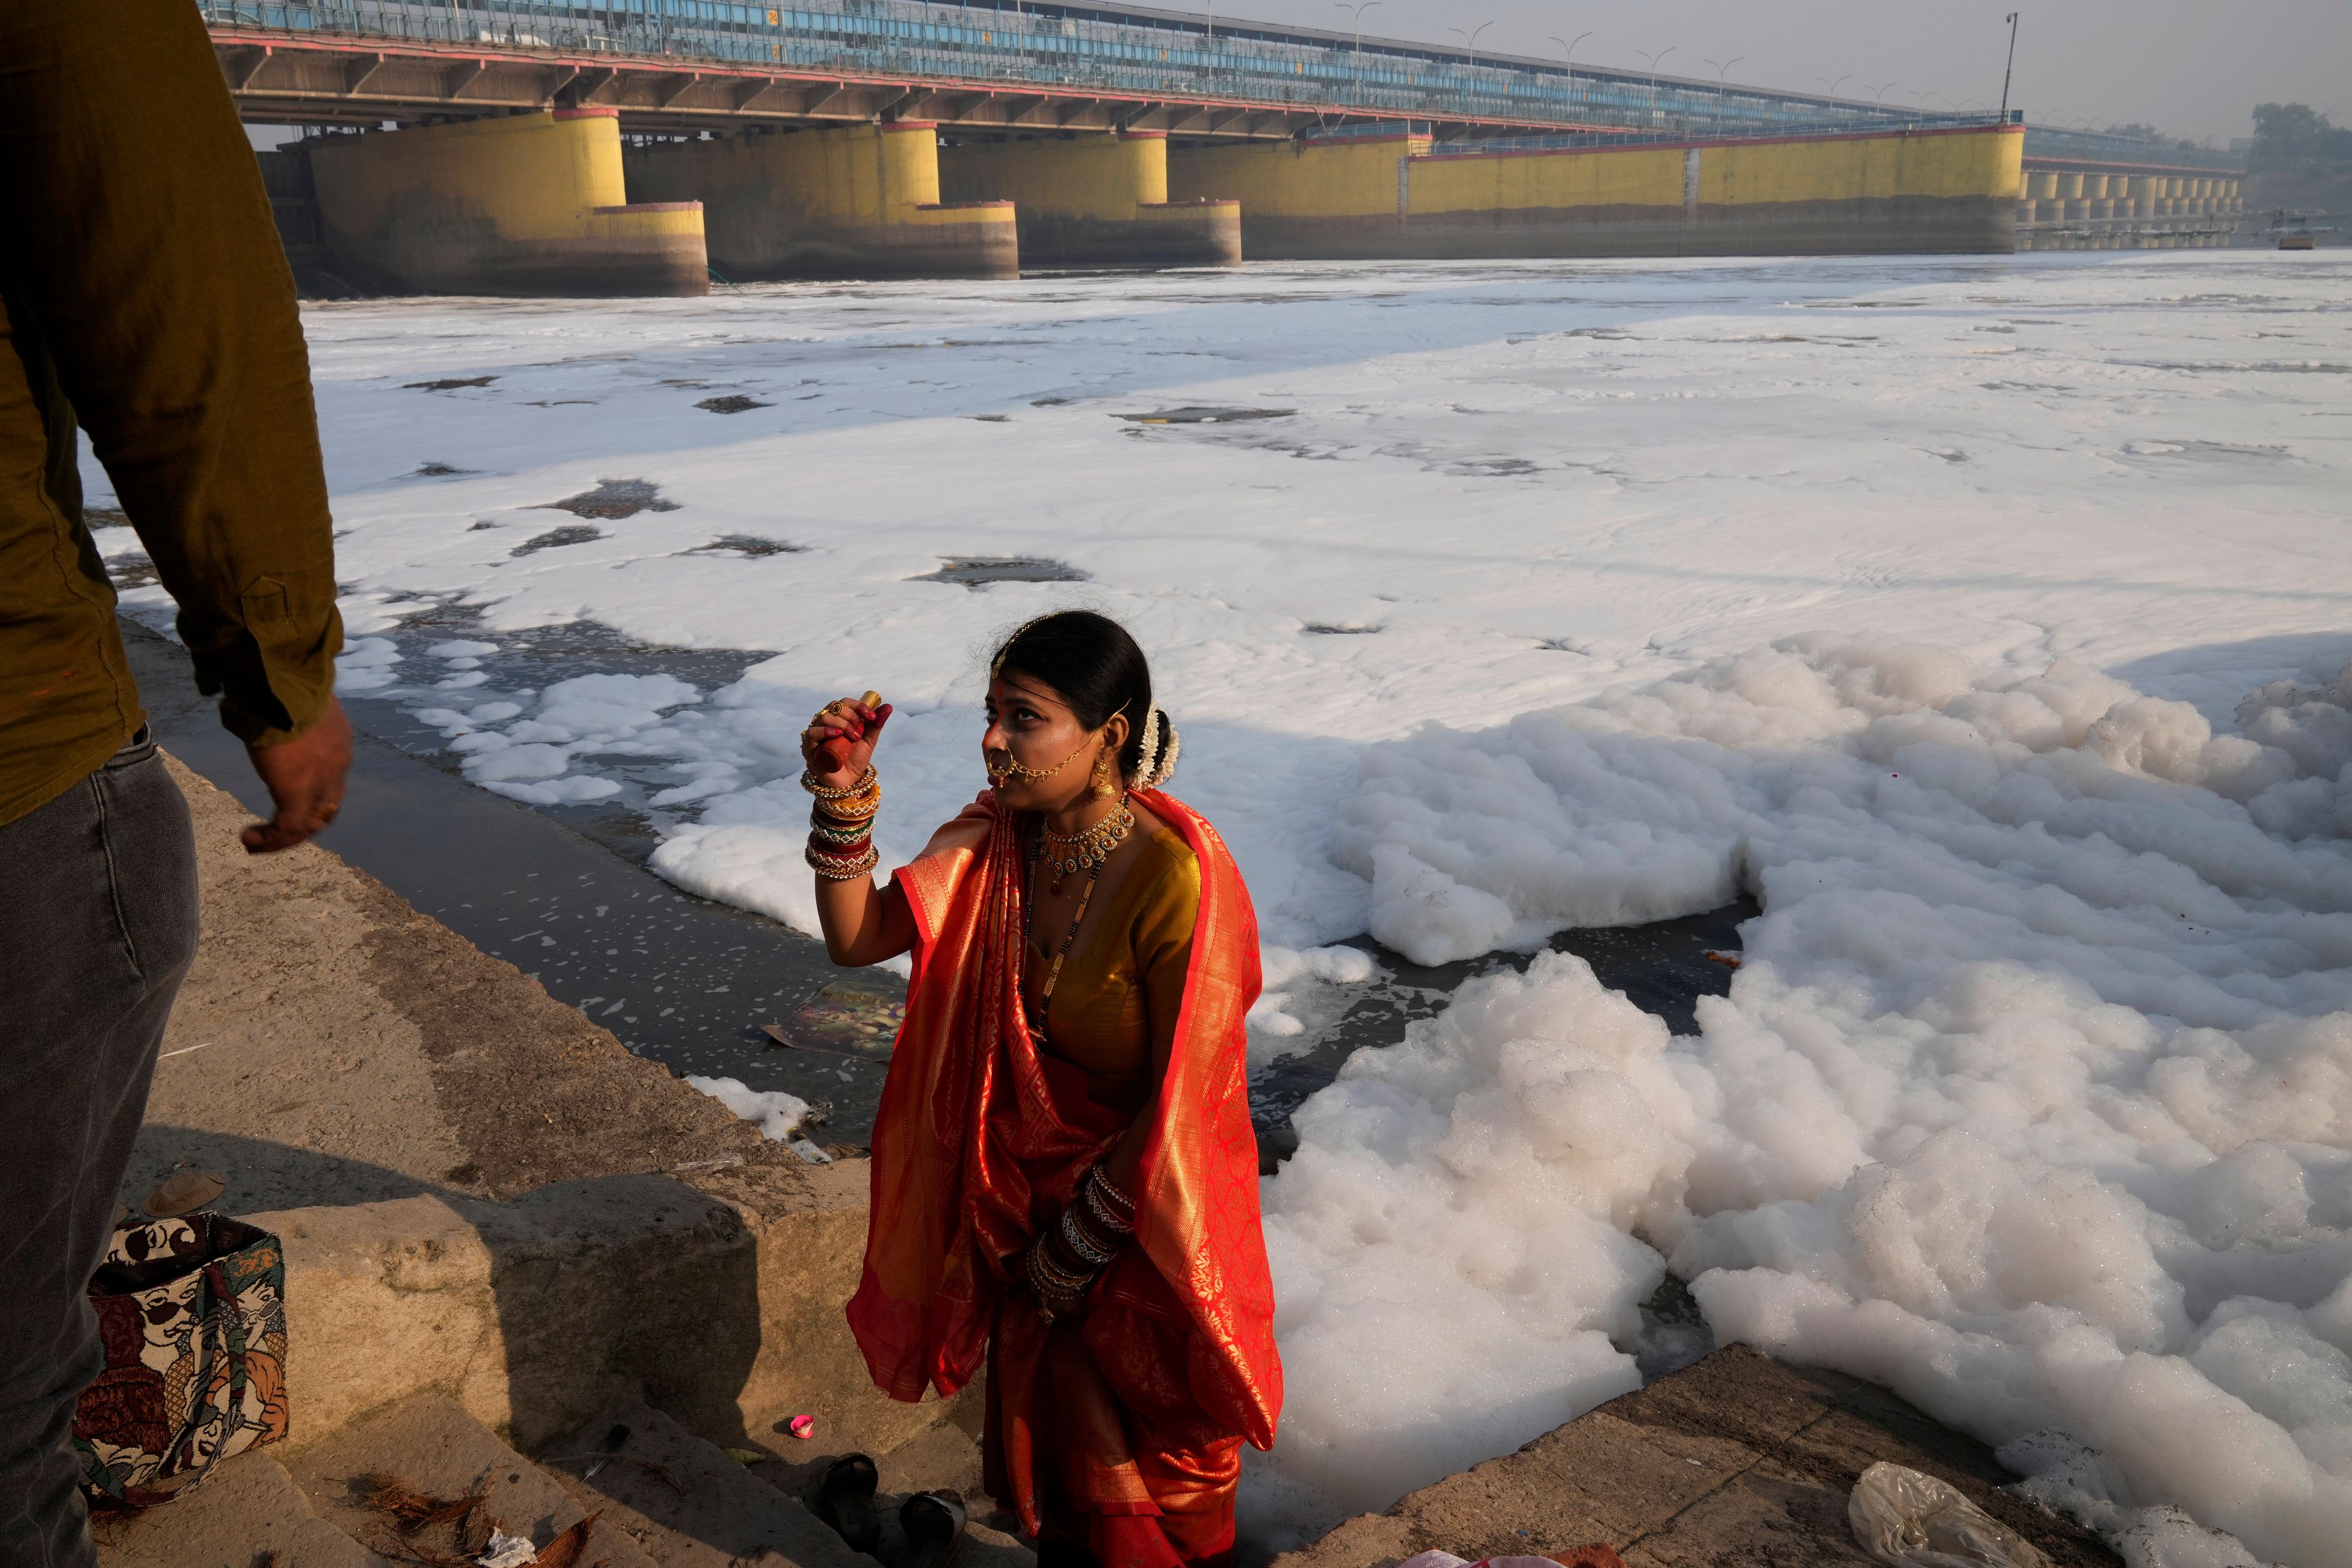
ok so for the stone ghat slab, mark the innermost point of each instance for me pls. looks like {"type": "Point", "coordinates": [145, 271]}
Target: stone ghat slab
{"type": "Point", "coordinates": [1736, 1459]}
{"type": "Point", "coordinates": [721, 1308]}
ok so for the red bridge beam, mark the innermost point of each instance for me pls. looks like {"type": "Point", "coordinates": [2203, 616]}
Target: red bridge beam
{"type": "Point", "coordinates": [280, 78]}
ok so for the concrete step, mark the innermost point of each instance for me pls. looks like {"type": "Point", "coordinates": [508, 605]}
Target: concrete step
{"type": "Point", "coordinates": [942, 1456]}
{"type": "Point", "coordinates": [685, 1502]}
{"type": "Point", "coordinates": [436, 1447]}
{"type": "Point", "coordinates": [665, 1499]}
{"type": "Point", "coordinates": [248, 1510]}
{"type": "Point", "coordinates": [690, 1505]}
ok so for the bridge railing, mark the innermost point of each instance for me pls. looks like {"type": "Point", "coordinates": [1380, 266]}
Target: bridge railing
{"type": "Point", "coordinates": [1569, 140]}
{"type": "Point", "coordinates": [2092, 147]}
{"type": "Point", "coordinates": [982, 43]}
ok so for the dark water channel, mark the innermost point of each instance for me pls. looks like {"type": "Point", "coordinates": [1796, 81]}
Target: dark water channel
{"type": "Point", "coordinates": [563, 893]}
{"type": "Point", "coordinates": [680, 980]}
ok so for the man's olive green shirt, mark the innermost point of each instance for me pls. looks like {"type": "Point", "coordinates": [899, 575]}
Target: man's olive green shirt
{"type": "Point", "coordinates": [144, 291]}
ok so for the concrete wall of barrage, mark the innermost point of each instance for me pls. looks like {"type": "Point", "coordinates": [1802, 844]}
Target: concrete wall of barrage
{"type": "Point", "coordinates": [1284, 189]}
{"type": "Point", "coordinates": [1095, 200]}
{"type": "Point", "coordinates": [526, 204]}
{"type": "Point", "coordinates": [1931, 191]}
{"type": "Point", "coordinates": [859, 201]}
{"type": "Point", "coordinates": [1094, 176]}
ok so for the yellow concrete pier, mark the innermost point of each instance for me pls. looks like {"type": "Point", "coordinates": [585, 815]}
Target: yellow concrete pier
{"type": "Point", "coordinates": [1336, 197]}
{"type": "Point", "coordinates": [1936, 191]}
{"type": "Point", "coordinates": [859, 201]}
{"type": "Point", "coordinates": [524, 203]}
{"type": "Point", "coordinates": [1095, 200]}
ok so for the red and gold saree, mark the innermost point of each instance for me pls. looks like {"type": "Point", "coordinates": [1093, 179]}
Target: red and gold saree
{"type": "Point", "coordinates": [1121, 1432]}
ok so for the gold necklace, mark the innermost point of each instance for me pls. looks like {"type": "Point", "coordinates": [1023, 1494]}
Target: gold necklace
{"type": "Point", "coordinates": [1088, 847]}
{"type": "Point", "coordinates": [1046, 996]}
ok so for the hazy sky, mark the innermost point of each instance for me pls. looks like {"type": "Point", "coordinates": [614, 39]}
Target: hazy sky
{"type": "Point", "coordinates": [2191, 69]}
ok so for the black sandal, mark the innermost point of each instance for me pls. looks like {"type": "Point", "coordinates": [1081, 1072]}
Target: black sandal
{"type": "Point", "coordinates": [844, 1500]}
{"type": "Point", "coordinates": [934, 1525]}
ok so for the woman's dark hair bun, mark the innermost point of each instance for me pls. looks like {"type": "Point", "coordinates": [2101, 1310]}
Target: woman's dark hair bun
{"type": "Point", "coordinates": [1096, 667]}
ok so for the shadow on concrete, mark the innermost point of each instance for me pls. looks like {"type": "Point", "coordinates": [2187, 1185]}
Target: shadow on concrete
{"type": "Point", "coordinates": [625, 1287]}
{"type": "Point", "coordinates": [598, 1291]}
{"type": "Point", "coordinates": [264, 1176]}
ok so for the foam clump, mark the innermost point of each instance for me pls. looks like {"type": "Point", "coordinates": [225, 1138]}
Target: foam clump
{"type": "Point", "coordinates": [2032, 1098]}
{"type": "Point", "coordinates": [365, 664]}
{"type": "Point", "coordinates": [777, 1114]}
{"type": "Point", "coordinates": [535, 758]}
{"type": "Point", "coordinates": [1453, 1245]}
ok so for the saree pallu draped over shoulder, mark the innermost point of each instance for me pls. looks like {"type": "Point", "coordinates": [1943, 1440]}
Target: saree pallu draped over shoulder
{"type": "Point", "coordinates": [1122, 1431]}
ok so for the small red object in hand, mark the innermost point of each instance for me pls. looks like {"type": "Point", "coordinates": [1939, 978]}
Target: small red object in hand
{"type": "Point", "coordinates": [837, 751]}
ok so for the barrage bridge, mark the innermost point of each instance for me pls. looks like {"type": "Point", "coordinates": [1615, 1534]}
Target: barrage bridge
{"type": "Point", "coordinates": [963, 137]}
{"type": "Point", "coordinates": [673, 65]}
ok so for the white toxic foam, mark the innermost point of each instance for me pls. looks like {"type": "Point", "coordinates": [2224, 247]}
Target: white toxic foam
{"type": "Point", "coordinates": [777, 1114]}
{"type": "Point", "coordinates": [2032, 1100]}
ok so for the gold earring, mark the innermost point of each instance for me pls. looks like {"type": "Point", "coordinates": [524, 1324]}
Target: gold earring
{"type": "Point", "coordinates": [1103, 786]}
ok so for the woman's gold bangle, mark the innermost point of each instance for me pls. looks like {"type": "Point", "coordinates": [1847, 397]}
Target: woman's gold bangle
{"type": "Point", "coordinates": [822, 791]}
{"type": "Point", "coordinates": [834, 871]}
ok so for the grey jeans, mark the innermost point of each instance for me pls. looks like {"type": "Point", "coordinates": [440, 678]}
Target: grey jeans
{"type": "Point", "coordinates": [98, 924]}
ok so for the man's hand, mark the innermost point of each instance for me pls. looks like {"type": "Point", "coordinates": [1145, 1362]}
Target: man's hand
{"type": "Point", "coordinates": [305, 778]}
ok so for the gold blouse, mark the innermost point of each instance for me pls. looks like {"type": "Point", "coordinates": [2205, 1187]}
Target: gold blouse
{"type": "Point", "coordinates": [1115, 1007]}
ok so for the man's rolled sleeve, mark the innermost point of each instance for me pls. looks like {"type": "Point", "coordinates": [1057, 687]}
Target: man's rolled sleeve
{"type": "Point", "coordinates": [275, 670]}
{"type": "Point", "coordinates": [167, 306]}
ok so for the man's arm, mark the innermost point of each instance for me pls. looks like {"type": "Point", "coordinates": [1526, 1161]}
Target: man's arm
{"type": "Point", "coordinates": [141, 234]}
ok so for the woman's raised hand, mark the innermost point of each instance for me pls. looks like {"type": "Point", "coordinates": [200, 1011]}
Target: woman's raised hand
{"type": "Point", "coordinates": [838, 744]}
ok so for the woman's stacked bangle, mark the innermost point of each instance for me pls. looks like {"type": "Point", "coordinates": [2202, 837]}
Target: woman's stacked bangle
{"type": "Point", "coordinates": [841, 827]}
{"type": "Point", "coordinates": [1097, 1224]}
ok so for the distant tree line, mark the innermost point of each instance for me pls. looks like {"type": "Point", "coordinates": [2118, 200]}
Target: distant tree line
{"type": "Point", "coordinates": [2294, 136]}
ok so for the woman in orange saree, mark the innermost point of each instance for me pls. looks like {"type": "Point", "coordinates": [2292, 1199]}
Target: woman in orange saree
{"type": "Point", "coordinates": [1065, 1177]}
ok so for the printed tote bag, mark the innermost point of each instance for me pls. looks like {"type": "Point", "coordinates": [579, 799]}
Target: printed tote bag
{"type": "Point", "coordinates": [193, 1314]}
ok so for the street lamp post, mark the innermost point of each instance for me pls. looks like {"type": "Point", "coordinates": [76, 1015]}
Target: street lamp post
{"type": "Point", "coordinates": [1356, 10]}
{"type": "Point", "coordinates": [1723, 70]}
{"type": "Point", "coordinates": [1470, 40]}
{"type": "Point", "coordinates": [1651, 61]}
{"type": "Point", "coordinates": [2010, 70]}
{"type": "Point", "coordinates": [1568, 58]}
{"type": "Point", "coordinates": [1832, 86]}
